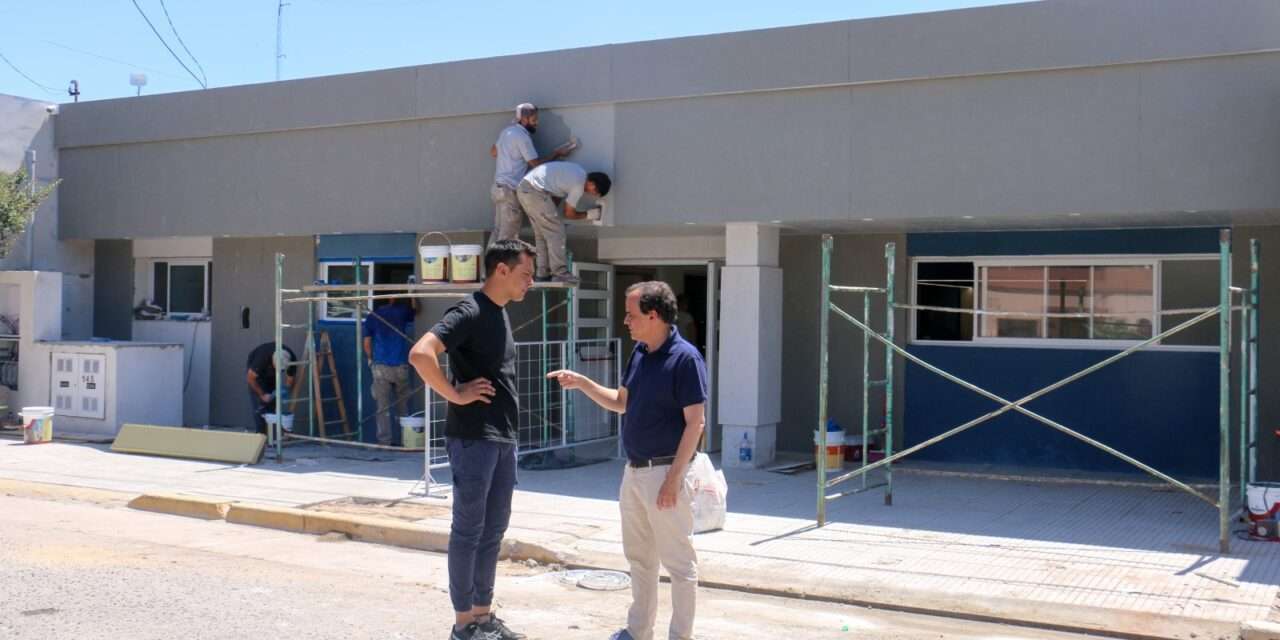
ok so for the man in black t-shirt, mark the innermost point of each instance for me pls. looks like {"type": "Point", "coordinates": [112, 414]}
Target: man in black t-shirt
{"type": "Point", "coordinates": [481, 430]}
{"type": "Point", "coordinates": [261, 378]}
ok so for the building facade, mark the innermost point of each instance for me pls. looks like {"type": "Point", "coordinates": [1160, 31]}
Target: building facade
{"type": "Point", "coordinates": [1054, 156]}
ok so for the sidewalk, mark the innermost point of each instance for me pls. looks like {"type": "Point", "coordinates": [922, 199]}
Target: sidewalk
{"type": "Point", "coordinates": [1140, 561]}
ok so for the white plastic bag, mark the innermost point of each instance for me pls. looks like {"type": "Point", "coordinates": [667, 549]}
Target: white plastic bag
{"type": "Point", "coordinates": [710, 495]}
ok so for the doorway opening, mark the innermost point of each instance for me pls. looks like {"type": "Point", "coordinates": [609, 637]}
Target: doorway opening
{"type": "Point", "coordinates": [697, 286]}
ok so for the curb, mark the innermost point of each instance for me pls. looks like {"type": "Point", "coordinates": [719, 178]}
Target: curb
{"type": "Point", "coordinates": [179, 505]}
{"type": "Point", "coordinates": [360, 528]}
{"type": "Point", "coordinates": [1260, 630]}
{"type": "Point", "coordinates": [52, 491]}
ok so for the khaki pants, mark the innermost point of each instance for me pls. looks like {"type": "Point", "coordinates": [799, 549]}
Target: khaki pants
{"type": "Point", "coordinates": [507, 214]}
{"type": "Point", "coordinates": [389, 384]}
{"type": "Point", "coordinates": [548, 230]}
{"type": "Point", "coordinates": [650, 537]}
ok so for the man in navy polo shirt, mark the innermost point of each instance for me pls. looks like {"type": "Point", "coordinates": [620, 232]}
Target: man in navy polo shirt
{"type": "Point", "coordinates": [663, 399]}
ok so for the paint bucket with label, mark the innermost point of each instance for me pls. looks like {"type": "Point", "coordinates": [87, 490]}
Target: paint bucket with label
{"type": "Point", "coordinates": [1263, 503]}
{"type": "Point", "coordinates": [835, 447]}
{"type": "Point", "coordinates": [435, 263]}
{"type": "Point", "coordinates": [37, 425]}
{"type": "Point", "coordinates": [465, 260]}
{"type": "Point", "coordinates": [413, 432]}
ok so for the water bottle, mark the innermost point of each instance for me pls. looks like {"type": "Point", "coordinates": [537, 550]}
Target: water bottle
{"type": "Point", "coordinates": [744, 449]}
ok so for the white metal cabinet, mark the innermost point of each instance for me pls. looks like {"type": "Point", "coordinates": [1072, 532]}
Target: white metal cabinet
{"type": "Point", "coordinates": [78, 385]}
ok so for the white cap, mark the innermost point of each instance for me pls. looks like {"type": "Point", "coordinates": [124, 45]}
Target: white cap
{"type": "Point", "coordinates": [525, 109]}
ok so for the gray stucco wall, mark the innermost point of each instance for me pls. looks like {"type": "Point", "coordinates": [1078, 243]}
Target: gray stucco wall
{"type": "Point", "coordinates": [858, 261]}
{"type": "Point", "coordinates": [1056, 34]}
{"type": "Point", "coordinates": [113, 289]}
{"type": "Point", "coordinates": [243, 276]}
{"type": "Point", "coordinates": [1014, 114]}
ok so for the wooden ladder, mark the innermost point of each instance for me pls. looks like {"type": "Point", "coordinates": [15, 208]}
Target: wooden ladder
{"type": "Point", "coordinates": [321, 360]}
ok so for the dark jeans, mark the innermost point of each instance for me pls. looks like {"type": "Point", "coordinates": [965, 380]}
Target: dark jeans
{"type": "Point", "coordinates": [256, 405]}
{"type": "Point", "coordinates": [484, 477]}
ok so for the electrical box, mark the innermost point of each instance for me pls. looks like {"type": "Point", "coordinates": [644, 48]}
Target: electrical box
{"type": "Point", "coordinates": [79, 385]}
{"type": "Point", "coordinates": [96, 386]}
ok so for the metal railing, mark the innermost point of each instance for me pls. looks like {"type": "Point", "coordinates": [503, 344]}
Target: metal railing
{"type": "Point", "coordinates": [550, 417]}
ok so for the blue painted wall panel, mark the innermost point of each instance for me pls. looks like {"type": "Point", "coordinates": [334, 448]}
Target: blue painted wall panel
{"type": "Point", "coordinates": [1083, 242]}
{"type": "Point", "coordinates": [366, 245]}
{"type": "Point", "coordinates": [343, 337]}
{"type": "Point", "coordinates": [1160, 407]}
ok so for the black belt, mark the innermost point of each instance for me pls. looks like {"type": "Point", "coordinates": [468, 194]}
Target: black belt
{"type": "Point", "coordinates": [644, 463]}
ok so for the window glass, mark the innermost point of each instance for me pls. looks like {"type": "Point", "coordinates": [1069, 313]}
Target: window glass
{"type": "Point", "coordinates": [947, 285]}
{"type": "Point", "coordinates": [1013, 289]}
{"type": "Point", "coordinates": [1123, 302]}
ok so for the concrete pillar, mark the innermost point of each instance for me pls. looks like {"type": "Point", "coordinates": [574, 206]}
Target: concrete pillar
{"type": "Point", "coordinates": [750, 367]}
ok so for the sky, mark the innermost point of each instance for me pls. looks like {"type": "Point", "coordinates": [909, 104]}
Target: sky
{"type": "Point", "coordinates": [44, 44]}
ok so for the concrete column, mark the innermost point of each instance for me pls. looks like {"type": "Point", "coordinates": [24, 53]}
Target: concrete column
{"type": "Point", "coordinates": [750, 368]}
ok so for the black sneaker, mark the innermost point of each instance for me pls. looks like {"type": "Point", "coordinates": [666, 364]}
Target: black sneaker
{"type": "Point", "coordinates": [470, 632]}
{"type": "Point", "coordinates": [499, 629]}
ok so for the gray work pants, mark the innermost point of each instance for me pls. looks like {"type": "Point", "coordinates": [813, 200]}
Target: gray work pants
{"type": "Point", "coordinates": [548, 230]}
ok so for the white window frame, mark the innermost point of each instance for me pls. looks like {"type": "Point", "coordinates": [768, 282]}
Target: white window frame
{"type": "Point", "coordinates": [205, 263]}
{"type": "Point", "coordinates": [366, 272]}
{"type": "Point", "coordinates": [1074, 260]}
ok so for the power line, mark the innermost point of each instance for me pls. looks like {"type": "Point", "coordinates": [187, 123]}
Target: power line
{"type": "Point", "coordinates": [166, 45]}
{"type": "Point", "coordinates": [184, 45]}
{"type": "Point", "coordinates": [29, 78]}
{"type": "Point", "coordinates": [125, 63]}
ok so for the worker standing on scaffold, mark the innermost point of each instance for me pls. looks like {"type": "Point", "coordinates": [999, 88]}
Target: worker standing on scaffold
{"type": "Point", "coordinates": [514, 156]}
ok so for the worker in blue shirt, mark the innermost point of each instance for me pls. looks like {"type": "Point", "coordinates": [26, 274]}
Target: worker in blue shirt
{"type": "Point", "coordinates": [387, 338]}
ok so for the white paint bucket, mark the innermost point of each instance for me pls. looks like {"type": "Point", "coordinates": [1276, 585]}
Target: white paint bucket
{"type": "Point", "coordinates": [286, 420]}
{"type": "Point", "coordinates": [435, 263]}
{"type": "Point", "coordinates": [37, 425]}
{"type": "Point", "coordinates": [413, 432]}
{"type": "Point", "coordinates": [1263, 500]}
{"type": "Point", "coordinates": [465, 259]}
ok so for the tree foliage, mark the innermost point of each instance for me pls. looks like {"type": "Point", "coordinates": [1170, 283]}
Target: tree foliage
{"type": "Point", "coordinates": [17, 205]}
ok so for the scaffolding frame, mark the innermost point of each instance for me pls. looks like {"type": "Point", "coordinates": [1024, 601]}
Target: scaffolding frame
{"type": "Point", "coordinates": [360, 293]}
{"type": "Point", "coordinates": [1247, 416]}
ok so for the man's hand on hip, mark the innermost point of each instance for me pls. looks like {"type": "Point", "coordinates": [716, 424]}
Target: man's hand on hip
{"type": "Point", "coordinates": [478, 390]}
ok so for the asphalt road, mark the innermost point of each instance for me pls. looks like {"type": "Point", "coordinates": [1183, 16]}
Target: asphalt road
{"type": "Point", "coordinates": [81, 570]}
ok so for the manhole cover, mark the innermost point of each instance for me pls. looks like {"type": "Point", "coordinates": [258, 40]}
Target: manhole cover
{"type": "Point", "coordinates": [596, 580]}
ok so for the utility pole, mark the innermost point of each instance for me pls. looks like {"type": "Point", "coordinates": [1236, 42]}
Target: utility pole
{"type": "Point", "coordinates": [31, 224]}
{"type": "Point", "coordinates": [280, 5]}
